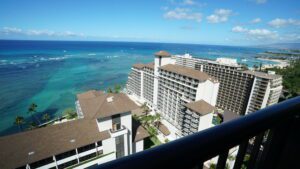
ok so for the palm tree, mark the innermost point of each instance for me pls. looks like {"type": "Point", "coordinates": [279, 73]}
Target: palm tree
{"type": "Point", "coordinates": [32, 110]}
{"type": "Point", "coordinates": [19, 121]}
{"type": "Point", "coordinates": [157, 119]}
{"type": "Point", "coordinates": [70, 113]}
{"type": "Point", "coordinates": [145, 108]}
{"type": "Point", "coordinates": [46, 117]}
{"type": "Point", "coordinates": [109, 90]}
{"type": "Point", "coordinates": [32, 125]}
{"type": "Point", "coordinates": [117, 88]}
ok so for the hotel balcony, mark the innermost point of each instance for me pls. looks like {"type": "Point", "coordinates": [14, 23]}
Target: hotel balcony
{"type": "Point", "coordinates": [269, 138]}
{"type": "Point", "coordinates": [118, 130]}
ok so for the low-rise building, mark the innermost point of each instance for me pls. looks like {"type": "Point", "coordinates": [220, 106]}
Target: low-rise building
{"type": "Point", "coordinates": [104, 131]}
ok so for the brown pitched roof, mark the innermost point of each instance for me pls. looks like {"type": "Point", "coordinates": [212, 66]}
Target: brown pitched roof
{"type": "Point", "coordinates": [201, 107]}
{"type": "Point", "coordinates": [138, 65]}
{"type": "Point", "coordinates": [47, 141]}
{"type": "Point", "coordinates": [163, 54]}
{"type": "Point", "coordinates": [141, 65]}
{"type": "Point", "coordinates": [163, 129]}
{"type": "Point", "coordinates": [89, 94]}
{"type": "Point", "coordinates": [262, 74]}
{"type": "Point", "coordinates": [189, 72]}
{"type": "Point", "coordinates": [138, 131]}
{"type": "Point", "coordinates": [99, 107]}
{"type": "Point", "coordinates": [150, 65]}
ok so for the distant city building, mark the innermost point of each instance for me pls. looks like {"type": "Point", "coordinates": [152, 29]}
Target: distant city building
{"type": "Point", "coordinates": [104, 131]}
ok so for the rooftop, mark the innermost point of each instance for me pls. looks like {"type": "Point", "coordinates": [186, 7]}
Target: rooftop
{"type": "Point", "coordinates": [47, 141]}
{"type": "Point", "coordinates": [141, 65]}
{"type": "Point", "coordinates": [163, 129]}
{"type": "Point", "coordinates": [138, 131]}
{"type": "Point", "coordinates": [201, 107]}
{"type": "Point", "coordinates": [163, 53]}
{"type": "Point", "coordinates": [189, 72]}
{"type": "Point", "coordinates": [262, 74]}
{"type": "Point", "coordinates": [105, 105]}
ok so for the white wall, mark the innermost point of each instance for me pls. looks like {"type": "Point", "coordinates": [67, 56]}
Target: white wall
{"type": "Point", "coordinates": [205, 121]}
{"type": "Point", "coordinates": [126, 120]}
{"type": "Point", "coordinates": [208, 91]}
{"type": "Point", "coordinates": [109, 145]}
{"type": "Point", "coordinates": [104, 123]}
{"type": "Point", "coordinates": [139, 146]}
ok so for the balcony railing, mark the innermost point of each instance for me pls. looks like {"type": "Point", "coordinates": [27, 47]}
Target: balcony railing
{"type": "Point", "coordinates": [273, 131]}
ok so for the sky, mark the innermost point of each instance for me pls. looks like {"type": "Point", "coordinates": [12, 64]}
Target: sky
{"type": "Point", "coordinates": [220, 22]}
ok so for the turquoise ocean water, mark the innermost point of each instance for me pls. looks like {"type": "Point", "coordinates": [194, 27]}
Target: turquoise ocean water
{"type": "Point", "coordinates": [51, 73]}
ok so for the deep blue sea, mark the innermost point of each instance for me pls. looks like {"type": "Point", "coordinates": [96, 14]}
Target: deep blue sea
{"type": "Point", "coordinates": [51, 73]}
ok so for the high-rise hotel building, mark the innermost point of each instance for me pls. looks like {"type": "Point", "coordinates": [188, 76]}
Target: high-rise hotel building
{"type": "Point", "coordinates": [184, 90]}
{"type": "Point", "coordinates": [182, 95]}
{"type": "Point", "coordinates": [241, 91]}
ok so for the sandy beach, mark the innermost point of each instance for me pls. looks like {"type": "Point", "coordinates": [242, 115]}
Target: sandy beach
{"type": "Point", "coordinates": [280, 63]}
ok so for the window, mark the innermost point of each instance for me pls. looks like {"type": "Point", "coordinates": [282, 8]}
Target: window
{"type": "Point", "coordinates": [65, 155]}
{"type": "Point", "coordinates": [41, 162]}
{"type": "Point", "coordinates": [84, 158]}
{"type": "Point", "coordinates": [99, 143]}
{"type": "Point", "coordinates": [86, 148]}
{"type": "Point", "coordinates": [116, 122]}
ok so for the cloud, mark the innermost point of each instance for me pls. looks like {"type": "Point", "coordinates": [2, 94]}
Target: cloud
{"type": "Point", "coordinates": [8, 30]}
{"type": "Point", "coordinates": [239, 29]}
{"type": "Point", "coordinates": [261, 1]}
{"type": "Point", "coordinates": [278, 22]}
{"type": "Point", "coordinates": [256, 20]}
{"type": "Point", "coordinates": [183, 14]}
{"type": "Point", "coordinates": [220, 15]}
{"type": "Point", "coordinates": [13, 30]}
{"type": "Point", "coordinates": [256, 34]}
{"type": "Point", "coordinates": [189, 2]}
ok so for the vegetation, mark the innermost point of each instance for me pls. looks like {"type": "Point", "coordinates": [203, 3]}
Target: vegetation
{"type": "Point", "coordinates": [31, 110]}
{"type": "Point", "coordinates": [19, 121]}
{"type": "Point", "coordinates": [117, 89]}
{"type": "Point", "coordinates": [46, 117]}
{"type": "Point", "coordinates": [291, 78]}
{"type": "Point", "coordinates": [32, 125]}
{"type": "Point", "coordinates": [109, 90]}
{"type": "Point", "coordinates": [70, 113]}
{"type": "Point", "coordinates": [145, 108]}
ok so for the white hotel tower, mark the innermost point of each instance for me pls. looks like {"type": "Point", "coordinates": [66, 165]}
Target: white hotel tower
{"type": "Point", "coordinates": [184, 97]}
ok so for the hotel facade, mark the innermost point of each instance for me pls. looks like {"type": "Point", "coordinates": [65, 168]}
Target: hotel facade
{"type": "Point", "coordinates": [174, 91]}
{"type": "Point", "coordinates": [104, 131]}
{"type": "Point", "coordinates": [241, 91]}
{"type": "Point", "coordinates": [186, 91]}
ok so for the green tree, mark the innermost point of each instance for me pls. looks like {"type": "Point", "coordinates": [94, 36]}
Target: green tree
{"type": "Point", "coordinates": [46, 117]}
{"type": "Point", "coordinates": [32, 125]}
{"type": "Point", "coordinates": [117, 88]}
{"type": "Point", "coordinates": [145, 108]}
{"type": "Point", "coordinates": [70, 113]}
{"type": "Point", "coordinates": [255, 67]}
{"type": "Point", "coordinates": [19, 121]}
{"type": "Point", "coordinates": [109, 90]}
{"type": "Point", "coordinates": [32, 110]}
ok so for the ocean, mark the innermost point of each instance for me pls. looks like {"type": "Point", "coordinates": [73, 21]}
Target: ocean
{"type": "Point", "coordinates": [51, 73]}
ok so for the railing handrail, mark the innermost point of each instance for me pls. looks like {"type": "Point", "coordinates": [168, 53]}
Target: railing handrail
{"type": "Point", "coordinates": [201, 146]}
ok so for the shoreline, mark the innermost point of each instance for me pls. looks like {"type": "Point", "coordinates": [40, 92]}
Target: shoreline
{"type": "Point", "coordinates": [279, 63]}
